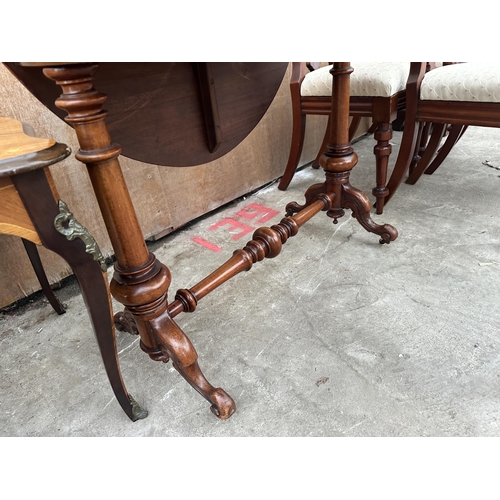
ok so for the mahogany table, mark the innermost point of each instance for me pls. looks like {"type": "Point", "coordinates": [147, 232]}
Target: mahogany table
{"type": "Point", "coordinates": [182, 114]}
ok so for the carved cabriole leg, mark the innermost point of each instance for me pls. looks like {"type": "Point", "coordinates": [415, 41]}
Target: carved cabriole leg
{"type": "Point", "coordinates": [177, 345]}
{"type": "Point", "coordinates": [37, 197]}
{"type": "Point", "coordinates": [140, 281]}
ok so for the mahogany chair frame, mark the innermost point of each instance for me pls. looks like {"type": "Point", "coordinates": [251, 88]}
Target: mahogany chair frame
{"type": "Point", "coordinates": [454, 116]}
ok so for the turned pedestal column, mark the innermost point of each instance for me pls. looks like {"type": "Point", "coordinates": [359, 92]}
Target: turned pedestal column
{"type": "Point", "coordinates": [339, 159]}
{"type": "Point", "coordinates": [140, 282]}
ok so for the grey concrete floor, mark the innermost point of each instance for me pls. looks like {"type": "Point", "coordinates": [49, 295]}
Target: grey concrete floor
{"type": "Point", "coordinates": [337, 336]}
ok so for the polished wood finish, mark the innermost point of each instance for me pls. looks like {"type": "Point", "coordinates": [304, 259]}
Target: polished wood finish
{"type": "Point", "coordinates": [382, 110]}
{"type": "Point", "coordinates": [168, 102]}
{"type": "Point", "coordinates": [37, 265]}
{"type": "Point", "coordinates": [14, 142]}
{"type": "Point", "coordinates": [20, 151]}
{"type": "Point", "coordinates": [430, 165]}
{"type": "Point", "coordinates": [14, 219]}
{"type": "Point", "coordinates": [265, 243]}
{"type": "Point", "coordinates": [140, 282]}
{"type": "Point", "coordinates": [27, 194]}
{"type": "Point", "coordinates": [339, 159]}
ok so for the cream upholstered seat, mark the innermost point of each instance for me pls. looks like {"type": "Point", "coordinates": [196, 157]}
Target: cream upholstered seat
{"type": "Point", "coordinates": [474, 82]}
{"type": "Point", "coordinates": [377, 91]}
{"type": "Point", "coordinates": [368, 79]}
{"type": "Point", "coordinates": [449, 98]}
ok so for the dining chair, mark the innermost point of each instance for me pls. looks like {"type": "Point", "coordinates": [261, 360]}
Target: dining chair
{"type": "Point", "coordinates": [30, 208]}
{"type": "Point", "coordinates": [377, 91]}
{"type": "Point", "coordinates": [449, 99]}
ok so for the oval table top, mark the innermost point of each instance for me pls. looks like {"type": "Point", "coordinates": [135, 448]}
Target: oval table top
{"type": "Point", "coordinates": [174, 113]}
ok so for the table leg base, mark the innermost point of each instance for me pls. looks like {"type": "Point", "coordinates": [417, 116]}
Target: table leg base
{"type": "Point", "coordinates": [358, 202]}
{"type": "Point", "coordinates": [125, 322]}
{"type": "Point", "coordinates": [349, 197]}
{"type": "Point", "coordinates": [176, 344]}
{"type": "Point", "coordinates": [173, 344]}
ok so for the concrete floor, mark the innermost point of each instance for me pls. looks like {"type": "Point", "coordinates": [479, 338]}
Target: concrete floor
{"type": "Point", "coordinates": [337, 336]}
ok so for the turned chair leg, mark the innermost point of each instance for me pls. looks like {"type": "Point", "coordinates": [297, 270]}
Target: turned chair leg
{"type": "Point", "coordinates": [382, 151]}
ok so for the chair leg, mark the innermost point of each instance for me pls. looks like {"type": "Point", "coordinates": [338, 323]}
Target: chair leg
{"type": "Point", "coordinates": [382, 151]}
{"type": "Point", "coordinates": [326, 139]}
{"type": "Point", "coordinates": [398, 123]}
{"type": "Point", "coordinates": [34, 257]}
{"type": "Point", "coordinates": [371, 130]}
{"type": "Point", "coordinates": [298, 131]}
{"type": "Point", "coordinates": [353, 127]}
{"type": "Point", "coordinates": [37, 197]}
{"type": "Point", "coordinates": [405, 155]}
{"type": "Point", "coordinates": [424, 131]}
{"type": "Point", "coordinates": [438, 132]}
{"type": "Point", "coordinates": [454, 136]}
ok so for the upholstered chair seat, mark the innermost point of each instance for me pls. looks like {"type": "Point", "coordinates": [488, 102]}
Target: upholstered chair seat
{"type": "Point", "coordinates": [372, 79]}
{"type": "Point", "coordinates": [441, 104]}
{"type": "Point", "coordinates": [472, 82]}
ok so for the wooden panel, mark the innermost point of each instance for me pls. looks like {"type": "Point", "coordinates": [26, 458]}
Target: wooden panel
{"type": "Point", "coordinates": [13, 216]}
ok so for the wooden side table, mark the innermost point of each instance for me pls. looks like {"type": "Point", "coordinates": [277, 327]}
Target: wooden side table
{"type": "Point", "coordinates": [30, 208]}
